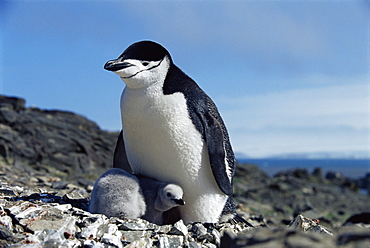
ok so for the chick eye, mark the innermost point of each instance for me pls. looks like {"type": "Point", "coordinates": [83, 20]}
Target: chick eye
{"type": "Point", "coordinates": [169, 194]}
{"type": "Point", "coordinates": [145, 63]}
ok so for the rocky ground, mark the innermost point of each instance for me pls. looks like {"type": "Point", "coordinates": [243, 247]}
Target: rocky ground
{"type": "Point", "coordinates": [50, 159]}
{"type": "Point", "coordinates": [59, 142]}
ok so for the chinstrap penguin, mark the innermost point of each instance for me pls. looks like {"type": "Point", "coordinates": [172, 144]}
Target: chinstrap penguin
{"type": "Point", "coordinates": [173, 132]}
{"type": "Point", "coordinates": [118, 193]}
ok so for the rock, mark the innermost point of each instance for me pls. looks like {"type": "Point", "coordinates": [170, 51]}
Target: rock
{"type": "Point", "coordinates": [57, 141]}
{"type": "Point", "coordinates": [7, 191]}
{"type": "Point", "coordinates": [306, 224]}
{"type": "Point", "coordinates": [179, 228]}
{"type": "Point", "coordinates": [6, 221]}
{"type": "Point", "coordinates": [167, 241]}
{"type": "Point", "coordinates": [297, 173]}
{"type": "Point", "coordinates": [277, 237]}
{"type": "Point", "coordinates": [141, 242]}
{"type": "Point", "coordinates": [292, 193]}
{"type": "Point", "coordinates": [361, 219]}
{"type": "Point", "coordinates": [6, 234]}
{"type": "Point", "coordinates": [59, 185]}
{"type": "Point", "coordinates": [89, 243]}
{"type": "Point", "coordinates": [317, 172]}
{"type": "Point", "coordinates": [251, 174]}
{"type": "Point", "coordinates": [90, 227]}
{"type": "Point", "coordinates": [200, 232]}
{"type": "Point", "coordinates": [353, 237]}
{"type": "Point", "coordinates": [332, 175]}
{"type": "Point", "coordinates": [13, 103]}
{"type": "Point", "coordinates": [364, 183]}
{"type": "Point", "coordinates": [111, 236]}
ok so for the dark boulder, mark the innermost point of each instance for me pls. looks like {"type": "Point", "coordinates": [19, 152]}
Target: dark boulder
{"type": "Point", "coordinates": [57, 141]}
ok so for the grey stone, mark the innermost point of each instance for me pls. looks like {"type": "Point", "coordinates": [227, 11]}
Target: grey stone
{"type": "Point", "coordinates": [59, 185]}
{"type": "Point", "coordinates": [302, 239]}
{"type": "Point", "coordinates": [141, 242]}
{"type": "Point", "coordinates": [47, 234]}
{"type": "Point", "coordinates": [305, 224]}
{"type": "Point", "coordinates": [179, 228]}
{"type": "Point", "coordinates": [278, 237]}
{"type": "Point", "coordinates": [354, 236]}
{"type": "Point", "coordinates": [209, 245]}
{"type": "Point", "coordinates": [201, 232]}
{"type": "Point", "coordinates": [48, 238]}
{"type": "Point", "coordinates": [131, 236]}
{"type": "Point", "coordinates": [77, 193]}
{"type": "Point", "coordinates": [112, 240]}
{"type": "Point", "coordinates": [164, 229]}
{"type": "Point", "coordinates": [194, 244]}
{"type": "Point", "coordinates": [47, 217]}
{"type": "Point", "coordinates": [138, 224]}
{"type": "Point", "coordinates": [216, 237]}
{"type": "Point", "coordinates": [71, 243]}
{"type": "Point", "coordinates": [163, 242]}
{"type": "Point", "coordinates": [89, 243]}
{"type": "Point", "coordinates": [7, 191]}
{"type": "Point", "coordinates": [90, 227]}
{"type": "Point", "coordinates": [7, 235]}
{"type": "Point", "coordinates": [170, 241]}
{"type": "Point", "coordinates": [6, 221]}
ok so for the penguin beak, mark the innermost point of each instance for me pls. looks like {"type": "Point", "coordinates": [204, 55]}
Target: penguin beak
{"type": "Point", "coordinates": [180, 202]}
{"type": "Point", "coordinates": [116, 65]}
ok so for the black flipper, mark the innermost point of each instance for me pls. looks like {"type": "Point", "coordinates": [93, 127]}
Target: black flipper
{"type": "Point", "coordinates": [120, 157]}
{"type": "Point", "coordinates": [220, 152]}
{"type": "Point", "coordinates": [229, 214]}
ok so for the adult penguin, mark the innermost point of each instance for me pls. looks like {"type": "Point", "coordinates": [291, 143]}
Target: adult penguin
{"type": "Point", "coordinates": [173, 132]}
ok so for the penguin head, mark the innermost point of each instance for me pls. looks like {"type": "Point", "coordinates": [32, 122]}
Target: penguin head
{"type": "Point", "coordinates": [142, 64]}
{"type": "Point", "coordinates": [169, 196]}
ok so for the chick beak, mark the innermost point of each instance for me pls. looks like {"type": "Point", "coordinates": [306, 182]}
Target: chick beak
{"type": "Point", "coordinates": [180, 202]}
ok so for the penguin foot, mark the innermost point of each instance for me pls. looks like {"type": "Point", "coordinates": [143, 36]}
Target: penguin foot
{"type": "Point", "coordinates": [235, 218]}
{"type": "Point", "coordinates": [239, 219]}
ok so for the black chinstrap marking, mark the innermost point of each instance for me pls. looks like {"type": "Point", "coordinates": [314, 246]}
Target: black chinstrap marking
{"type": "Point", "coordinates": [144, 70]}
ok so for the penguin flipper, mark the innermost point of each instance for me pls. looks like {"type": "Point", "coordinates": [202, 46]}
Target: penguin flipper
{"type": "Point", "coordinates": [229, 214]}
{"type": "Point", "coordinates": [120, 157]}
{"type": "Point", "coordinates": [220, 153]}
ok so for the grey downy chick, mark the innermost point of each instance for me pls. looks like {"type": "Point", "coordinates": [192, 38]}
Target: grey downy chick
{"type": "Point", "coordinates": [118, 193]}
{"type": "Point", "coordinates": [160, 197]}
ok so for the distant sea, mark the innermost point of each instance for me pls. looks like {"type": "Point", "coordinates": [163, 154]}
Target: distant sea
{"type": "Point", "coordinates": [352, 168]}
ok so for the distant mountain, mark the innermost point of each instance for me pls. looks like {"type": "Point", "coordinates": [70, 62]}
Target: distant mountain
{"type": "Point", "coordinates": [313, 155]}
{"type": "Point", "coordinates": [59, 142]}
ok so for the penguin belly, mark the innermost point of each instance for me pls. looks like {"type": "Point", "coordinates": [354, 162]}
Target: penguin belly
{"type": "Point", "coordinates": [162, 142]}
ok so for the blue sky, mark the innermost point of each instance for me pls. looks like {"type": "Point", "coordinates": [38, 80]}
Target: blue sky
{"type": "Point", "coordinates": [287, 76]}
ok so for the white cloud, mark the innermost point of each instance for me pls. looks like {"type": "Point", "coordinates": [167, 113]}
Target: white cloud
{"type": "Point", "coordinates": [269, 142]}
{"type": "Point", "coordinates": [330, 118]}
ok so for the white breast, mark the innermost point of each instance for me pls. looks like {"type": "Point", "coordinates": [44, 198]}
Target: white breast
{"type": "Point", "coordinates": [159, 135]}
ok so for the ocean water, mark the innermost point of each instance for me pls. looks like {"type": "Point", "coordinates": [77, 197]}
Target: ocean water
{"type": "Point", "coordinates": [352, 168]}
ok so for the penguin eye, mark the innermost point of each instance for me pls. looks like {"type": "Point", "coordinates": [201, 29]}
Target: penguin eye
{"type": "Point", "coordinates": [169, 194]}
{"type": "Point", "coordinates": [145, 63]}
